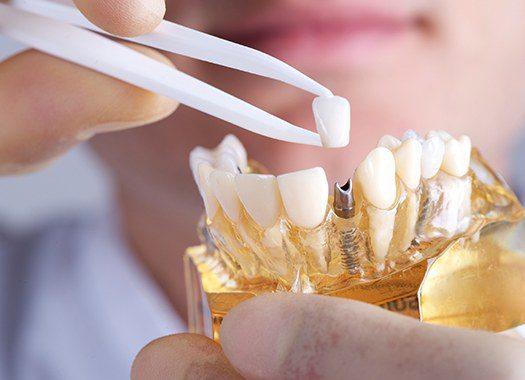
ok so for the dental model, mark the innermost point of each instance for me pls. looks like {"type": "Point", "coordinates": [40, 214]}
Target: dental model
{"type": "Point", "coordinates": [405, 193]}
{"type": "Point", "coordinates": [424, 228]}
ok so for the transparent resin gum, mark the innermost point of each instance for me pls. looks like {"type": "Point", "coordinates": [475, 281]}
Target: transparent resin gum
{"type": "Point", "coordinates": [456, 255]}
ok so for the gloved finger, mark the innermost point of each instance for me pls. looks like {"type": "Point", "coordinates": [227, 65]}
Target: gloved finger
{"type": "Point", "coordinates": [307, 337]}
{"type": "Point", "coordinates": [48, 105]}
{"type": "Point", "coordinates": [182, 356]}
{"type": "Point", "coordinates": [126, 18]}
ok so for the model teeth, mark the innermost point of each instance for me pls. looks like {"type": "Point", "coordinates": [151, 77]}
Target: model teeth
{"type": "Point", "coordinates": [456, 160]}
{"type": "Point", "coordinates": [389, 142]}
{"type": "Point", "coordinates": [255, 206]}
{"type": "Point", "coordinates": [408, 162]}
{"type": "Point", "coordinates": [198, 156]}
{"type": "Point", "coordinates": [223, 185]}
{"type": "Point", "coordinates": [210, 202]}
{"type": "Point", "coordinates": [411, 134]}
{"type": "Point", "coordinates": [377, 176]}
{"type": "Point", "coordinates": [259, 194]}
{"type": "Point", "coordinates": [227, 161]}
{"type": "Point", "coordinates": [445, 136]}
{"type": "Point", "coordinates": [232, 145]}
{"type": "Point", "coordinates": [332, 118]}
{"type": "Point", "coordinates": [305, 195]}
{"type": "Point", "coordinates": [432, 156]}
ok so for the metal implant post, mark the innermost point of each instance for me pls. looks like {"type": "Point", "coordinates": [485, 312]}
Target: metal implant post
{"type": "Point", "coordinates": [348, 241]}
{"type": "Point", "coordinates": [344, 200]}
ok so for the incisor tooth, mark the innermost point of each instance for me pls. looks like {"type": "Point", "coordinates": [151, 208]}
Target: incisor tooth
{"type": "Point", "coordinates": [232, 144]}
{"type": "Point", "coordinates": [389, 142]}
{"type": "Point", "coordinates": [210, 202]}
{"type": "Point", "coordinates": [445, 136]}
{"type": "Point", "coordinates": [227, 161]}
{"type": "Point", "coordinates": [332, 118]}
{"type": "Point", "coordinates": [410, 134]}
{"type": "Point", "coordinates": [199, 155]}
{"type": "Point", "coordinates": [456, 160]}
{"type": "Point", "coordinates": [432, 156]}
{"type": "Point", "coordinates": [260, 196]}
{"type": "Point", "coordinates": [223, 186]}
{"type": "Point", "coordinates": [408, 163]}
{"type": "Point", "coordinates": [305, 195]}
{"type": "Point", "coordinates": [377, 176]}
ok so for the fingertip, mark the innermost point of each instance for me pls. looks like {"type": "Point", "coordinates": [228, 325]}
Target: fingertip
{"type": "Point", "coordinates": [257, 335]}
{"type": "Point", "coordinates": [77, 104]}
{"type": "Point", "coordinates": [182, 356]}
{"type": "Point", "coordinates": [127, 18]}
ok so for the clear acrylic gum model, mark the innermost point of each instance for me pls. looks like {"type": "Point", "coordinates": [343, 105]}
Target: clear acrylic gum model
{"type": "Point", "coordinates": [425, 228]}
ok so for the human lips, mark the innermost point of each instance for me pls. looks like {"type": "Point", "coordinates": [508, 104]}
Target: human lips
{"type": "Point", "coordinates": [314, 34]}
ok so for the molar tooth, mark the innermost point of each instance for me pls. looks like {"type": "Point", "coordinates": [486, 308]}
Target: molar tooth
{"type": "Point", "coordinates": [305, 195]}
{"type": "Point", "coordinates": [233, 145]}
{"type": "Point", "coordinates": [432, 156]}
{"type": "Point", "coordinates": [408, 162]}
{"type": "Point", "coordinates": [205, 189]}
{"type": "Point", "coordinates": [223, 186]}
{"type": "Point", "coordinates": [456, 160]}
{"type": "Point", "coordinates": [389, 142]}
{"type": "Point", "coordinates": [377, 176]}
{"type": "Point", "coordinates": [260, 196]}
{"type": "Point", "coordinates": [332, 118]}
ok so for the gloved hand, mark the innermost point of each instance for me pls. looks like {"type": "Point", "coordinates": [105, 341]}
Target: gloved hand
{"type": "Point", "coordinates": [48, 105]}
{"type": "Point", "coordinates": [285, 336]}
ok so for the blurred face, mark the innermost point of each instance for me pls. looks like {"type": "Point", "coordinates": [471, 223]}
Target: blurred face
{"type": "Point", "coordinates": [410, 64]}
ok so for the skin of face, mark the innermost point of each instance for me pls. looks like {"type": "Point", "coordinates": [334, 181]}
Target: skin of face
{"type": "Point", "coordinates": [455, 65]}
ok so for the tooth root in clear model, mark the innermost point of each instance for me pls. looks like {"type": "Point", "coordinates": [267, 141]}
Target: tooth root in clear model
{"type": "Point", "coordinates": [210, 202]}
{"type": "Point", "coordinates": [456, 159]}
{"type": "Point", "coordinates": [409, 224]}
{"type": "Point", "coordinates": [389, 142]}
{"type": "Point", "coordinates": [408, 163]}
{"type": "Point", "coordinates": [433, 150]}
{"type": "Point", "coordinates": [377, 178]}
{"type": "Point", "coordinates": [223, 186]}
{"type": "Point", "coordinates": [260, 196]}
{"type": "Point", "coordinates": [305, 195]}
{"type": "Point", "coordinates": [332, 118]}
{"type": "Point", "coordinates": [381, 231]}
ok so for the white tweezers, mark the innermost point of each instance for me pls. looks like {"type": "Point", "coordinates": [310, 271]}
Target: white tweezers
{"type": "Point", "coordinates": [48, 25]}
